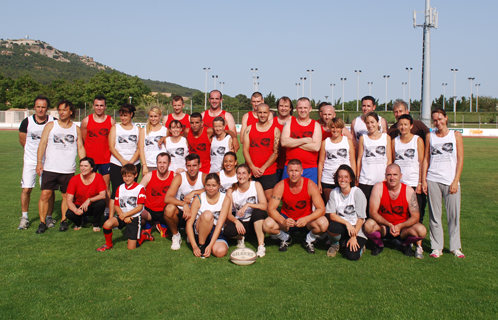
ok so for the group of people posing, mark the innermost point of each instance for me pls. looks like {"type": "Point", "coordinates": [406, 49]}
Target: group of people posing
{"type": "Point", "coordinates": [340, 186]}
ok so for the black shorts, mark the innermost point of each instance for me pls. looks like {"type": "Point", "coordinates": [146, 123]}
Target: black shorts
{"type": "Point", "coordinates": [182, 223]}
{"type": "Point", "coordinates": [221, 236]}
{"type": "Point", "coordinates": [132, 229]}
{"type": "Point", "coordinates": [268, 181]}
{"type": "Point", "coordinates": [103, 169]}
{"type": "Point", "coordinates": [230, 230]}
{"type": "Point", "coordinates": [56, 181]}
{"type": "Point", "coordinates": [156, 215]}
{"type": "Point", "coordinates": [328, 185]}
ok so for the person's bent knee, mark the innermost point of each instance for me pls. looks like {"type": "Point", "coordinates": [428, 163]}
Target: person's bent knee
{"type": "Point", "coordinates": [371, 226]}
{"type": "Point", "coordinates": [269, 225]}
{"type": "Point", "coordinates": [207, 216]}
{"type": "Point", "coordinates": [220, 249]}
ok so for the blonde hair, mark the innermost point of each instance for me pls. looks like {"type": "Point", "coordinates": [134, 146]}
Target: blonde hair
{"type": "Point", "coordinates": [157, 110]}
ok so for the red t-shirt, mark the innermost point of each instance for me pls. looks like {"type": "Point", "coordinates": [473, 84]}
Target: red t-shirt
{"type": "Point", "coordinates": [309, 159]}
{"type": "Point", "coordinates": [81, 191]}
{"type": "Point", "coordinates": [208, 120]}
{"type": "Point", "coordinates": [201, 146]}
{"type": "Point", "coordinates": [185, 121]}
{"type": "Point", "coordinates": [261, 147]}
{"type": "Point", "coordinates": [394, 211]}
{"type": "Point", "coordinates": [325, 134]}
{"type": "Point", "coordinates": [296, 206]}
{"type": "Point", "coordinates": [96, 141]}
{"type": "Point", "coordinates": [156, 190]}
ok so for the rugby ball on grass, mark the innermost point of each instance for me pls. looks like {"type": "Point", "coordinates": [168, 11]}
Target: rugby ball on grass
{"type": "Point", "coordinates": [243, 256]}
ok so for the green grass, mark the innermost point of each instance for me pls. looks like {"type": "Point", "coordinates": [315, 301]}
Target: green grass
{"type": "Point", "coordinates": [60, 275]}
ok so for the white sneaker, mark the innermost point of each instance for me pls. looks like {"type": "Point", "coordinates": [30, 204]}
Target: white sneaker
{"type": "Point", "coordinates": [261, 251]}
{"type": "Point", "coordinates": [419, 252]}
{"type": "Point", "coordinates": [176, 241]}
{"type": "Point", "coordinates": [50, 222]}
{"type": "Point", "coordinates": [436, 253]}
{"type": "Point", "coordinates": [240, 243]}
{"type": "Point", "coordinates": [458, 253]}
{"type": "Point", "coordinates": [24, 224]}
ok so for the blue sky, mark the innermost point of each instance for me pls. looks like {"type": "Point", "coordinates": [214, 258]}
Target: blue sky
{"type": "Point", "coordinates": [174, 40]}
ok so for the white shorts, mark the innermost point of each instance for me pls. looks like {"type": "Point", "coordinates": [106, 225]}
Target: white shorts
{"type": "Point", "coordinates": [28, 180]}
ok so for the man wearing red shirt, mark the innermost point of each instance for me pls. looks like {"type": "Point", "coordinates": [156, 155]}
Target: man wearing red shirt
{"type": "Point", "coordinates": [177, 104]}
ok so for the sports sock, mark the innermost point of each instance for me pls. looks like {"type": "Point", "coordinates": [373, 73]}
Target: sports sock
{"type": "Point", "coordinates": [311, 237]}
{"type": "Point", "coordinates": [148, 225]}
{"type": "Point", "coordinates": [284, 236]}
{"type": "Point", "coordinates": [335, 240]}
{"type": "Point", "coordinates": [375, 237]}
{"type": "Point", "coordinates": [410, 239]}
{"type": "Point", "coordinates": [25, 214]}
{"type": "Point", "coordinates": [49, 216]}
{"type": "Point", "coordinates": [108, 237]}
{"type": "Point", "coordinates": [106, 211]}
{"type": "Point", "coordinates": [164, 226]}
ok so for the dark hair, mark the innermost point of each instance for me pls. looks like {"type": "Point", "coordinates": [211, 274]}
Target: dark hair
{"type": "Point", "coordinates": [235, 186]}
{"type": "Point", "coordinates": [336, 122]}
{"type": "Point", "coordinates": [129, 168]}
{"type": "Point", "coordinates": [229, 153]}
{"type": "Point", "coordinates": [372, 114]}
{"type": "Point", "coordinates": [323, 104]}
{"type": "Point", "coordinates": [295, 162]}
{"type": "Point", "coordinates": [256, 94]}
{"type": "Point", "coordinates": [193, 156]}
{"type": "Point", "coordinates": [216, 90]}
{"type": "Point", "coordinates": [213, 175]}
{"type": "Point", "coordinates": [42, 97]}
{"type": "Point", "coordinates": [285, 98]}
{"type": "Point", "coordinates": [368, 98]}
{"type": "Point", "coordinates": [69, 104]}
{"type": "Point", "coordinates": [218, 118]}
{"type": "Point", "coordinates": [164, 154]}
{"type": "Point", "coordinates": [89, 160]}
{"type": "Point", "coordinates": [128, 108]}
{"type": "Point", "coordinates": [196, 115]}
{"type": "Point", "coordinates": [438, 110]}
{"type": "Point", "coordinates": [174, 121]}
{"type": "Point", "coordinates": [351, 175]}
{"type": "Point", "coordinates": [100, 97]}
{"type": "Point", "coordinates": [178, 98]}
{"type": "Point", "coordinates": [407, 117]}
{"type": "Point", "coordinates": [304, 99]}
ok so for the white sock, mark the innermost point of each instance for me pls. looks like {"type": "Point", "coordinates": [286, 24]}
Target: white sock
{"type": "Point", "coordinates": [25, 214]}
{"type": "Point", "coordinates": [106, 211]}
{"type": "Point", "coordinates": [177, 234]}
{"type": "Point", "coordinates": [311, 237]}
{"type": "Point", "coordinates": [284, 236]}
{"type": "Point", "coordinates": [49, 216]}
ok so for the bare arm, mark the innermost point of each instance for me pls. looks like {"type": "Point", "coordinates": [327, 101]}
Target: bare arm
{"type": "Point", "coordinates": [244, 126]}
{"type": "Point", "coordinates": [421, 156]}
{"type": "Point", "coordinates": [22, 138]}
{"type": "Point", "coordinates": [289, 142]}
{"type": "Point", "coordinates": [141, 148]}
{"type": "Point", "coordinates": [231, 127]}
{"type": "Point", "coordinates": [137, 152]}
{"type": "Point", "coordinates": [321, 161]}
{"type": "Point", "coordinates": [352, 156]}
{"type": "Point", "coordinates": [384, 125]}
{"type": "Point", "coordinates": [112, 146]}
{"type": "Point", "coordinates": [170, 197]}
{"type": "Point", "coordinates": [359, 157]}
{"type": "Point", "coordinates": [413, 208]}
{"type": "Point", "coordinates": [389, 154]}
{"type": "Point", "coordinates": [273, 157]}
{"type": "Point", "coordinates": [146, 179]}
{"type": "Point", "coordinates": [245, 149]}
{"type": "Point", "coordinates": [459, 165]}
{"type": "Point", "coordinates": [84, 124]}
{"type": "Point", "coordinates": [374, 201]}
{"type": "Point", "coordinates": [42, 147]}
{"type": "Point", "coordinates": [425, 165]}
{"type": "Point", "coordinates": [81, 146]}
{"type": "Point", "coordinates": [275, 199]}
{"type": "Point", "coordinates": [316, 140]}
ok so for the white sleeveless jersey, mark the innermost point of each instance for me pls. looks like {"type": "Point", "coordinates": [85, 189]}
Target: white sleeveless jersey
{"type": "Point", "coordinates": [373, 160]}
{"type": "Point", "coordinates": [151, 146]}
{"type": "Point", "coordinates": [130, 198]}
{"type": "Point", "coordinates": [33, 136]}
{"type": "Point", "coordinates": [214, 208]}
{"type": "Point", "coordinates": [126, 143]}
{"type": "Point", "coordinates": [218, 150]}
{"type": "Point", "coordinates": [178, 151]}
{"type": "Point", "coordinates": [226, 182]}
{"type": "Point", "coordinates": [406, 157]}
{"type": "Point", "coordinates": [241, 198]}
{"type": "Point", "coordinates": [360, 128]}
{"type": "Point", "coordinates": [185, 188]}
{"type": "Point", "coordinates": [346, 206]}
{"type": "Point", "coordinates": [443, 160]}
{"type": "Point", "coordinates": [62, 149]}
{"type": "Point", "coordinates": [335, 155]}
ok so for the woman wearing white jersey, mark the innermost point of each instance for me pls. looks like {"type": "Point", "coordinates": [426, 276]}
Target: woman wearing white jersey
{"type": "Point", "coordinates": [177, 147]}
{"type": "Point", "coordinates": [374, 155]}
{"type": "Point", "coordinates": [221, 143]}
{"type": "Point", "coordinates": [248, 206]}
{"type": "Point", "coordinates": [205, 231]}
{"type": "Point", "coordinates": [123, 143]}
{"type": "Point", "coordinates": [408, 154]}
{"type": "Point", "coordinates": [228, 174]}
{"type": "Point", "coordinates": [149, 140]}
{"type": "Point", "coordinates": [335, 151]}
{"type": "Point", "coordinates": [443, 164]}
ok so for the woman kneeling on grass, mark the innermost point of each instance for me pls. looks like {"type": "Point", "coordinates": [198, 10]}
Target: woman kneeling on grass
{"type": "Point", "coordinates": [248, 204]}
{"type": "Point", "coordinates": [346, 207]}
{"type": "Point", "coordinates": [205, 231]}
{"type": "Point", "coordinates": [86, 195]}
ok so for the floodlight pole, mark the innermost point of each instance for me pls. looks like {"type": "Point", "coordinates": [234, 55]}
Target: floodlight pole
{"type": "Point", "coordinates": [444, 92]}
{"type": "Point", "coordinates": [404, 87]}
{"type": "Point", "coordinates": [206, 88]}
{"type": "Point", "coordinates": [369, 88]}
{"type": "Point", "coordinates": [310, 72]}
{"type": "Point", "coordinates": [409, 69]}
{"type": "Point", "coordinates": [303, 79]}
{"type": "Point", "coordinates": [254, 70]}
{"type": "Point", "coordinates": [471, 79]}
{"type": "Point", "coordinates": [477, 96]}
{"type": "Point", "coordinates": [215, 77]}
{"type": "Point", "coordinates": [386, 77]}
{"type": "Point", "coordinates": [297, 91]}
{"type": "Point", "coordinates": [357, 89]}
{"type": "Point", "coordinates": [343, 80]}
{"type": "Point", "coordinates": [454, 91]}
{"type": "Point", "coordinates": [332, 85]}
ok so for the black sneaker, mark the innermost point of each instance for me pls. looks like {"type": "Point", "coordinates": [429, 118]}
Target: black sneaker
{"type": "Point", "coordinates": [377, 250]}
{"type": "Point", "coordinates": [202, 247]}
{"type": "Point", "coordinates": [284, 244]}
{"type": "Point", "coordinates": [41, 228]}
{"type": "Point", "coordinates": [64, 226]}
{"type": "Point", "coordinates": [407, 251]}
{"type": "Point", "coordinates": [309, 246]}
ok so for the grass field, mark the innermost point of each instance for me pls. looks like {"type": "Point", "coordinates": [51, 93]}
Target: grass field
{"type": "Point", "coordinates": [60, 275]}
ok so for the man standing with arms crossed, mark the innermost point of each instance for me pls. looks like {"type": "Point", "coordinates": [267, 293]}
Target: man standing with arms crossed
{"type": "Point", "coordinates": [30, 132]}
{"type": "Point", "coordinates": [284, 108]}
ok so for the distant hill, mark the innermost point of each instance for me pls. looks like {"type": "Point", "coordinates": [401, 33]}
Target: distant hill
{"type": "Point", "coordinates": [45, 64]}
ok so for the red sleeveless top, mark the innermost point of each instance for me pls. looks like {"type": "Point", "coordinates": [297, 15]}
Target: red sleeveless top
{"type": "Point", "coordinates": [96, 140]}
{"type": "Point", "coordinates": [261, 147]}
{"type": "Point", "coordinates": [251, 119]}
{"type": "Point", "coordinates": [325, 134]}
{"type": "Point", "coordinates": [283, 151]}
{"type": "Point", "coordinates": [208, 120]}
{"type": "Point", "coordinates": [309, 159]}
{"type": "Point", "coordinates": [156, 190]}
{"type": "Point", "coordinates": [296, 206]}
{"type": "Point", "coordinates": [394, 211]}
{"type": "Point", "coordinates": [201, 146]}
{"type": "Point", "coordinates": [185, 121]}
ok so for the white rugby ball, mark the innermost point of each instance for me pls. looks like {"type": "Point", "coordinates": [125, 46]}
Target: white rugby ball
{"type": "Point", "coordinates": [243, 256]}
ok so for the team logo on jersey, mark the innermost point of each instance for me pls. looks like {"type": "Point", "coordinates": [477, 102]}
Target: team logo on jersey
{"type": "Point", "coordinates": [349, 210]}
{"type": "Point", "coordinates": [216, 215]}
{"type": "Point", "coordinates": [127, 201]}
{"type": "Point", "coordinates": [155, 193]}
{"type": "Point", "coordinates": [287, 207]}
{"type": "Point", "coordinates": [180, 152]}
{"type": "Point", "coordinates": [307, 134]}
{"type": "Point", "coordinates": [254, 144]}
{"type": "Point", "coordinates": [92, 134]}
{"type": "Point", "coordinates": [337, 153]}
{"type": "Point", "coordinates": [35, 136]}
{"type": "Point", "coordinates": [201, 147]}
{"type": "Point", "coordinates": [374, 151]}
{"type": "Point", "coordinates": [265, 142]}
{"type": "Point", "coordinates": [149, 142]}
{"type": "Point", "coordinates": [439, 149]}
{"type": "Point", "coordinates": [63, 138]}
{"type": "Point", "coordinates": [104, 132]}
{"type": "Point", "coordinates": [251, 200]}
{"type": "Point", "coordinates": [222, 189]}
{"type": "Point", "coordinates": [408, 154]}
{"type": "Point", "coordinates": [397, 210]}
{"type": "Point", "coordinates": [301, 204]}
{"type": "Point", "coordinates": [220, 150]}
{"type": "Point", "coordinates": [165, 189]}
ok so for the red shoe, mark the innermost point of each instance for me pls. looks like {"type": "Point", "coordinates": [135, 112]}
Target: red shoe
{"type": "Point", "coordinates": [145, 236]}
{"type": "Point", "coordinates": [163, 231]}
{"type": "Point", "coordinates": [104, 248]}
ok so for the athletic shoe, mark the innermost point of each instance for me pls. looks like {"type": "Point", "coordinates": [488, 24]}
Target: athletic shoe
{"type": "Point", "coordinates": [176, 241]}
{"type": "Point", "coordinates": [376, 251]}
{"type": "Point", "coordinates": [50, 222]}
{"type": "Point", "coordinates": [458, 253]}
{"type": "Point", "coordinates": [147, 236]}
{"type": "Point", "coordinates": [240, 243]}
{"type": "Point", "coordinates": [64, 226]}
{"type": "Point", "coordinates": [261, 251]}
{"type": "Point", "coordinates": [407, 251]}
{"type": "Point", "coordinates": [77, 228]}
{"type": "Point", "coordinates": [332, 251]}
{"type": "Point", "coordinates": [309, 246]}
{"type": "Point", "coordinates": [162, 230]}
{"type": "Point", "coordinates": [24, 224]}
{"type": "Point", "coordinates": [419, 252]}
{"type": "Point", "coordinates": [436, 253]}
{"type": "Point", "coordinates": [284, 244]}
{"type": "Point", "coordinates": [104, 248]}
{"type": "Point", "coordinates": [41, 228]}
{"type": "Point", "coordinates": [202, 247]}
